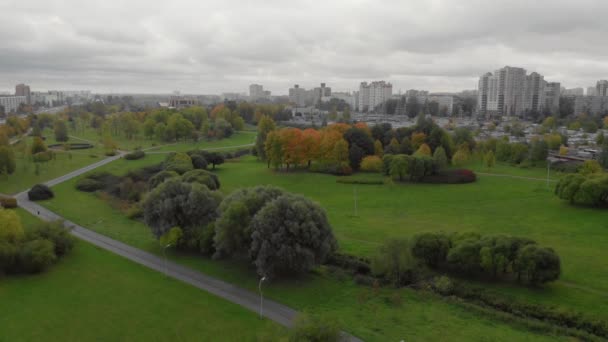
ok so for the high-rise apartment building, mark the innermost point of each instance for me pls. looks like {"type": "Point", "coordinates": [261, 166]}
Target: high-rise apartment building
{"type": "Point", "coordinates": [300, 96]}
{"type": "Point", "coordinates": [591, 91]}
{"type": "Point", "coordinates": [256, 91]}
{"type": "Point", "coordinates": [552, 94]}
{"type": "Point", "coordinates": [373, 94]}
{"type": "Point", "coordinates": [601, 88]}
{"type": "Point", "coordinates": [320, 92]}
{"type": "Point", "coordinates": [509, 91]}
{"type": "Point", "coordinates": [23, 90]}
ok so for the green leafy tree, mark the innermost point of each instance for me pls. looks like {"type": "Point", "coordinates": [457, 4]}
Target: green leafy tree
{"type": "Point", "coordinates": [7, 160]}
{"type": "Point", "coordinates": [61, 131]}
{"type": "Point", "coordinates": [489, 160]}
{"type": "Point", "coordinates": [11, 230]}
{"type": "Point", "coordinates": [265, 126]}
{"type": "Point", "coordinates": [233, 226]}
{"type": "Point", "coordinates": [394, 262]}
{"type": "Point", "coordinates": [291, 234]}
{"type": "Point", "coordinates": [440, 159]}
{"type": "Point", "coordinates": [175, 203]}
{"type": "Point", "coordinates": [38, 145]}
{"type": "Point", "coordinates": [432, 248]}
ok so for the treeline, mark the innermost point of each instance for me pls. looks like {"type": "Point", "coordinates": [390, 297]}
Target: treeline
{"type": "Point", "coordinates": [33, 251]}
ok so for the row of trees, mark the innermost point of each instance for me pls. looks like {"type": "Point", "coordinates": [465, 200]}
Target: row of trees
{"type": "Point", "coordinates": [492, 255]}
{"type": "Point", "coordinates": [589, 187]}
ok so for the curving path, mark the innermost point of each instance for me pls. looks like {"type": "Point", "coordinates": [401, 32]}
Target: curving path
{"type": "Point", "coordinates": [275, 311]}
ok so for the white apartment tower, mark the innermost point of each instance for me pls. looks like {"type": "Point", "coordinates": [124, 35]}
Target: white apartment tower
{"type": "Point", "coordinates": [509, 91]}
{"type": "Point", "coordinates": [373, 94]}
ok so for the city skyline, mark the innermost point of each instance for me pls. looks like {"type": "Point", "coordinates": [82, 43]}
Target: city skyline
{"type": "Point", "coordinates": [436, 45]}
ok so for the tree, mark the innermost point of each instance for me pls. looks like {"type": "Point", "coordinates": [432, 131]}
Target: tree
{"type": "Point", "coordinates": [291, 234]}
{"type": "Point", "coordinates": [537, 265]}
{"type": "Point", "coordinates": [399, 166]}
{"type": "Point", "coordinates": [462, 156]}
{"type": "Point", "coordinates": [590, 167]}
{"type": "Point", "coordinates": [539, 151]}
{"type": "Point", "coordinates": [563, 150]}
{"type": "Point", "coordinates": [432, 248]}
{"type": "Point", "coordinates": [40, 192]}
{"type": "Point", "coordinates": [265, 126]}
{"type": "Point", "coordinates": [61, 131]}
{"type": "Point", "coordinates": [378, 150]}
{"type": "Point", "coordinates": [179, 162]}
{"type": "Point", "coordinates": [394, 262]}
{"type": "Point", "coordinates": [489, 160]}
{"type": "Point", "coordinates": [371, 164]}
{"type": "Point", "coordinates": [355, 155]}
{"type": "Point", "coordinates": [175, 203]}
{"type": "Point", "coordinates": [203, 177]}
{"type": "Point", "coordinates": [7, 160]}
{"type": "Point", "coordinates": [599, 140]}
{"type": "Point", "coordinates": [11, 230]}
{"type": "Point", "coordinates": [603, 156]}
{"type": "Point", "coordinates": [440, 159]}
{"type": "Point", "coordinates": [233, 226]}
{"type": "Point", "coordinates": [418, 139]}
{"type": "Point", "coordinates": [38, 145]}
{"type": "Point", "coordinates": [359, 137]}
{"type": "Point", "coordinates": [423, 150]}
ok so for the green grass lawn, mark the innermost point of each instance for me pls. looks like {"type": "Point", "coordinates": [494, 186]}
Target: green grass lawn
{"type": "Point", "coordinates": [420, 317]}
{"type": "Point", "coordinates": [93, 295]}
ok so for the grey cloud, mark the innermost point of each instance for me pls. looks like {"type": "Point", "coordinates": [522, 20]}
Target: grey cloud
{"type": "Point", "coordinates": [217, 46]}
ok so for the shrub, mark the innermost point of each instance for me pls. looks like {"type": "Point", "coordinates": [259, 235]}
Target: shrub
{"type": "Point", "coordinates": [537, 265]}
{"type": "Point", "coordinates": [432, 248]}
{"type": "Point", "coordinates": [394, 262]}
{"type": "Point", "coordinates": [351, 263]}
{"type": "Point", "coordinates": [443, 285]}
{"type": "Point", "coordinates": [138, 154]}
{"type": "Point", "coordinates": [89, 185]}
{"type": "Point", "coordinates": [349, 180]}
{"type": "Point", "coordinates": [160, 177]}
{"type": "Point", "coordinates": [8, 202]}
{"type": "Point", "coordinates": [291, 234]}
{"type": "Point", "coordinates": [371, 164]}
{"type": "Point", "coordinates": [458, 176]}
{"type": "Point", "coordinates": [591, 189]}
{"type": "Point", "coordinates": [40, 192]}
{"type": "Point", "coordinates": [36, 256]}
{"type": "Point", "coordinates": [199, 162]}
{"type": "Point", "coordinates": [56, 233]}
{"type": "Point", "coordinates": [178, 162]}
{"type": "Point", "coordinates": [43, 157]}
{"type": "Point", "coordinates": [9, 257]}
{"type": "Point", "coordinates": [202, 177]}
{"type": "Point", "coordinates": [11, 230]}
{"type": "Point", "coordinates": [309, 328]}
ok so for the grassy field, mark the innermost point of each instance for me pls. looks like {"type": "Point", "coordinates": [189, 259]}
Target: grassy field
{"type": "Point", "coordinates": [93, 295]}
{"type": "Point", "coordinates": [92, 135]}
{"type": "Point", "coordinates": [420, 317]}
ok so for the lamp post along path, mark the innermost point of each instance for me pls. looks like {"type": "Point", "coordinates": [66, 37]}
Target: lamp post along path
{"type": "Point", "coordinates": [261, 297]}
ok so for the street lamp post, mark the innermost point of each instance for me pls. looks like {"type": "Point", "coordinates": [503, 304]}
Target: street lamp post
{"type": "Point", "coordinates": [165, 255]}
{"type": "Point", "coordinates": [261, 297]}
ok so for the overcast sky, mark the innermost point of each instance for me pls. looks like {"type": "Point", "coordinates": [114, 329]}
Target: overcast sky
{"type": "Point", "coordinates": [214, 46]}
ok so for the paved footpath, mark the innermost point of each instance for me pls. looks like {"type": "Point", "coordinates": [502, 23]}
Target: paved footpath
{"type": "Point", "coordinates": [250, 300]}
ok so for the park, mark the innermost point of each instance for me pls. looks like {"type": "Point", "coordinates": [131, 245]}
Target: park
{"type": "Point", "coordinates": [364, 210]}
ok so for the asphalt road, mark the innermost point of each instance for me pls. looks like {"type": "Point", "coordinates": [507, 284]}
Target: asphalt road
{"type": "Point", "coordinates": [250, 300]}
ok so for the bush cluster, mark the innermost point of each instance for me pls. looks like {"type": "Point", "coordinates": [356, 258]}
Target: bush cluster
{"type": "Point", "coordinates": [590, 189]}
{"type": "Point", "coordinates": [34, 251]}
{"type": "Point", "coordinates": [492, 255]}
{"type": "Point", "coordinates": [8, 202]}
{"type": "Point", "coordinates": [422, 168]}
{"type": "Point", "coordinates": [40, 192]}
{"type": "Point", "coordinates": [458, 176]}
{"type": "Point", "coordinates": [137, 154]}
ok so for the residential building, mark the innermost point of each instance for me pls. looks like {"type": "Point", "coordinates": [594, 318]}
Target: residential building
{"type": "Point", "coordinates": [573, 92]}
{"type": "Point", "coordinates": [256, 91]}
{"type": "Point", "coordinates": [509, 91]}
{"type": "Point", "coordinates": [23, 90]}
{"type": "Point", "coordinates": [602, 88]}
{"type": "Point", "coordinates": [350, 99]}
{"type": "Point", "coordinates": [11, 103]}
{"type": "Point", "coordinates": [320, 92]}
{"type": "Point", "coordinates": [594, 105]}
{"type": "Point", "coordinates": [552, 94]}
{"type": "Point", "coordinates": [178, 101]}
{"type": "Point", "coordinates": [591, 91]}
{"type": "Point", "coordinates": [300, 96]}
{"type": "Point", "coordinates": [373, 94]}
